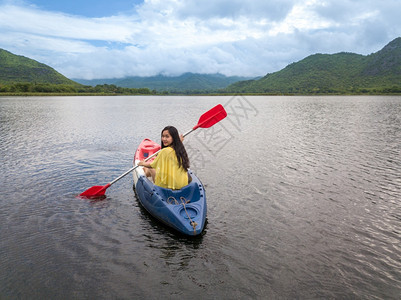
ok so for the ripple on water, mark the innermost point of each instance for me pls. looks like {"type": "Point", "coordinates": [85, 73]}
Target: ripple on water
{"type": "Point", "coordinates": [303, 203]}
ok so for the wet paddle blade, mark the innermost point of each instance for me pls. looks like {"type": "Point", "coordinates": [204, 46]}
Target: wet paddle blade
{"type": "Point", "coordinates": [95, 191]}
{"type": "Point", "coordinates": [211, 117]}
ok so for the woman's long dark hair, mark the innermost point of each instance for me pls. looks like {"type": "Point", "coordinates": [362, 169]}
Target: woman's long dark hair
{"type": "Point", "coordinates": [178, 146]}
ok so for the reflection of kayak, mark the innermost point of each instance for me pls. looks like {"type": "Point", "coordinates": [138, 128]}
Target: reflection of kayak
{"type": "Point", "coordinates": [183, 210]}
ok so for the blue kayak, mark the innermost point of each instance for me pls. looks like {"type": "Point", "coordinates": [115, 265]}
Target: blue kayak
{"type": "Point", "coordinates": [183, 210]}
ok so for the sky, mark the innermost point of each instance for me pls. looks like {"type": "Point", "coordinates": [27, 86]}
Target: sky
{"type": "Point", "coordinates": [117, 38]}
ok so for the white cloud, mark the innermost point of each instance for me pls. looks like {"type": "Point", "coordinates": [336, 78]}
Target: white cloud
{"type": "Point", "coordinates": [171, 36]}
{"type": "Point", "coordinates": [42, 23]}
{"type": "Point", "coordinates": [272, 10]}
{"type": "Point", "coordinates": [301, 17]}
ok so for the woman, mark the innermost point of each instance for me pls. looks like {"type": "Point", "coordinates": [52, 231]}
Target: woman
{"type": "Point", "coordinates": [169, 169]}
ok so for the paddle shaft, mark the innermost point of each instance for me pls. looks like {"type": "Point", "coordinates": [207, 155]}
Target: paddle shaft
{"type": "Point", "coordinates": [132, 169]}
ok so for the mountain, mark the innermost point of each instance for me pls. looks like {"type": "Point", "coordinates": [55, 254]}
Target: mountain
{"type": "Point", "coordinates": [186, 82]}
{"type": "Point", "coordinates": [15, 68]}
{"type": "Point", "coordinates": [386, 62]}
{"type": "Point", "coordinates": [333, 73]}
{"type": "Point", "coordinates": [338, 73]}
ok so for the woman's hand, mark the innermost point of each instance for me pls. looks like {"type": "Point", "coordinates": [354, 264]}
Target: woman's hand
{"type": "Point", "coordinates": [181, 137]}
{"type": "Point", "coordinates": [143, 163]}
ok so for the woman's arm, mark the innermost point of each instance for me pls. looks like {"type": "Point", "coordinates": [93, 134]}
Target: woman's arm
{"type": "Point", "coordinates": [144, 164]}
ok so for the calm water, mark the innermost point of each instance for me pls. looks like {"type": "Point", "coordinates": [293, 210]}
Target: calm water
{"type": "Point", "coordinates": [304, 199]}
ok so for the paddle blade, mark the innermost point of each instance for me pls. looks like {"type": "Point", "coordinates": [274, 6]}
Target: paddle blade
{"type": "Point", "coordinates": [211, 117]}
{"type": "Point", "coordinates": [95, 191]}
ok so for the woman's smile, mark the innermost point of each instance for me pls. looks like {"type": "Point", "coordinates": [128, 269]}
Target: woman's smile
{"type": "Point", "coordinates": [167, 139]}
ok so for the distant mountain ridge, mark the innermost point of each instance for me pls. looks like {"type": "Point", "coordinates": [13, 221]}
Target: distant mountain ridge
{"type": "Point", "coordinates": [183, 83]}
{"type": "Point", "coordinates": [386, 61]}
{"type": "Point", "coordinates": [340, 73]}
{"type": "Point", "coordinates": [333, 73]}
{"type": "Point", "coordinates": [16, 68]}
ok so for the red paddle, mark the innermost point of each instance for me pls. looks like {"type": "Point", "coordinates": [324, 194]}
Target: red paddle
{"type": "Point", "coordinates": [208, 119]}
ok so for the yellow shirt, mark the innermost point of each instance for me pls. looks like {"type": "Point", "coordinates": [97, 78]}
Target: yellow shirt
{"type": "Point", "coordinates": [168, 174]}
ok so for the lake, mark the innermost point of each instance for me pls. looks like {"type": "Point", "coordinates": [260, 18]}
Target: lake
{"type": "Point", "coordinates": [303, 199]}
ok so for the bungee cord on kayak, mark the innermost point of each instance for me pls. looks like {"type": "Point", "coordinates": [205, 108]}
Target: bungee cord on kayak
{"type": "Point", "coordinates": [173, 201]}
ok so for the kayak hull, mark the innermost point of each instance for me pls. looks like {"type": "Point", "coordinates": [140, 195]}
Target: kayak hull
{"type": "Point", "coordinates": [183, 210]}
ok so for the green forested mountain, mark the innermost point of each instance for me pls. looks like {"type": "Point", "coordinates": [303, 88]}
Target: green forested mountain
{"type": "Point", "coordinates": [333, 73]}
{"type": "Point", "coordinates": [15, 68]}
{"type": "Point", "coordinates": [187, 82]}
{"type": "Point", "coordinates": [339, 73]}
{"type": "Point", "coordinates": [21, 75]}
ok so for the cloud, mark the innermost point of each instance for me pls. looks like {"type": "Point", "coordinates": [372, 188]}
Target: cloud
{"type": "Point", "coordinates": [273, 10]}
{"type": "Point", "coordinates": [171, 37]}
{"type": "Point", "coordinates": [59, 25]}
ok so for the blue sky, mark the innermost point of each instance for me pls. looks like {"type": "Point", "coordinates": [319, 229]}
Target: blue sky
{"type": "Point", "coordinates": [87, 8]}
{"type": "Point", "coordinates": [113, 39]}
